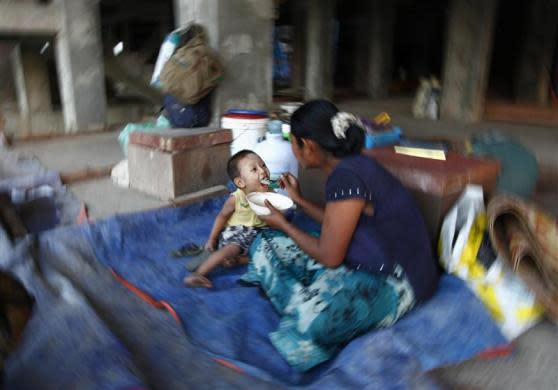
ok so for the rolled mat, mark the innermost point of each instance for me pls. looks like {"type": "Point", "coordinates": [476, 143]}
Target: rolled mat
{"type": "Point", "coordinates": [527, 239]}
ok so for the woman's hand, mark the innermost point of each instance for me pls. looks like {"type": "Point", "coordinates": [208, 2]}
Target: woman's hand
{"type": "Point", "coordinates": [290, 183]}
{"type": "Point", "coordinates": [275, 219]}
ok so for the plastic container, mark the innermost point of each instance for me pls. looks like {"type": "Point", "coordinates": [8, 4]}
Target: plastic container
{"type": "Point", "coordinates": [246, 132]}
{"type": "Point", "coordinates": [251, 113]}
{"type": "Point", "coordinates": [388, 137]}
{"type": "Point", "coordinates": [286, 130]}
{"type": "Point", "coordinates": [274, 126]}
{"type": "Point", "coordinates": [291, 107]}
{"type": "Point", "coordinates": [234, 115]}
{"type": "Point", "coordinates": [278, 156]}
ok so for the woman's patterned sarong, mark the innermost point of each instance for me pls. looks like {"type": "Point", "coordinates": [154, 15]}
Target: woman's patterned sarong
{"type": "Point", "coordinates": [321, 308]}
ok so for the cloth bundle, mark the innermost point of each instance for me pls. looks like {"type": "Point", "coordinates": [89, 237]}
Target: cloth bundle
{"type": "Point", "coordinates": [527, 239]}
{"type": "Point", "coordinates": [193, 71]}
{"type": "Point", "coordinates": [185, 116]}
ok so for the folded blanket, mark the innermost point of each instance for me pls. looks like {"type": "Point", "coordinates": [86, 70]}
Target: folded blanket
{"type": "Point", "coordinates": [527, 239]}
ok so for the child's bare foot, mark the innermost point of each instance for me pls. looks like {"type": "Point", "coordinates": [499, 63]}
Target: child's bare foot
{"type": "Point", "coordinates": [195, 280]}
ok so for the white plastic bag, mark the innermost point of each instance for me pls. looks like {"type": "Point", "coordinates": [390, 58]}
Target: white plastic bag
{"type": "Point", "coordinates": [119, 174]}
{"type": "Point", "coordinates": [427, 99]}
{"type": "Point", "coordinates": [462, 245]}
{"type": "Point", "coordinates": [168, 47]}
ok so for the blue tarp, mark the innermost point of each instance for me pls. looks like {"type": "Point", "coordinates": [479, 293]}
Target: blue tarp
{"type": "Point", "coordinates": [88, 331]}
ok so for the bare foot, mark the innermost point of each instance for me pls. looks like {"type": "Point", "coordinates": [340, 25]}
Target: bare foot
{"type": "Point", "coordinates": [195, 280]}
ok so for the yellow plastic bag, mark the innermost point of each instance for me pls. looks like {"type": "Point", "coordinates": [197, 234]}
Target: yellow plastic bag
{"type": "Point", "coordinates": [465, 251]}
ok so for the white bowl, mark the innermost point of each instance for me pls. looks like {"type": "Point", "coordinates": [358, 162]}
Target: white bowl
{"type": "Point", "coordinates": [256, 200]}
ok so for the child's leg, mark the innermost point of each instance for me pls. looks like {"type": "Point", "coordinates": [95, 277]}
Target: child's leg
{"type": "Point", "coordinates": [198, 278]}
{"type": "Point", "coordinates": [236, 261]}
{"type": "Point", "coordinates": [241, 236]}
{"type": "Point", "coordinates": [217, 258]}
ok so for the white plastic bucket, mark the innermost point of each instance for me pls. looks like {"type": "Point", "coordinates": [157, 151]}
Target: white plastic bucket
{"type": "Point", "coordinates": [246, 133]}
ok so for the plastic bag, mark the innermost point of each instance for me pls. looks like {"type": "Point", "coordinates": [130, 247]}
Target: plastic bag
{"type": "Point", "coordinates": [172, 42]}
{"type": "Point", "coordinates": [120, 175]}
{"type": "Point", "coordinates": [168, 47]}
{"type": "Point", "coordinates": [466, 252]}
{"type": "Point", "coordinates": [520, 170]}
{"type": "Point", "coordinates": [427, 99]}
{"type": "Point", "coordinates": [124, 135]}
{"type": "Point", "coordinates": [192, 71]}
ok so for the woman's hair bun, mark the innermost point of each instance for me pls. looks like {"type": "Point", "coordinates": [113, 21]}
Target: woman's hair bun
{"type": "Point", "coordinates": [339, 133]}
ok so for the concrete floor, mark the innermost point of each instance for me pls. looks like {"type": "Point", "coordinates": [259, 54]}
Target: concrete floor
{"type": "Point", "coordinates": [534, 364]}
{"type": "Point", "coordinates": [104, 199]}
{"type": "Point", "coordinates": [75, 153]}
{"type": "Point", "coordinates": [79, 153]}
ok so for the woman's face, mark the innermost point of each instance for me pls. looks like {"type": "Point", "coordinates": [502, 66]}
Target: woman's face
{"type": "Point", "coordinates": [297, 150]}
{"type": "Point", "coordinates": [303, 154]}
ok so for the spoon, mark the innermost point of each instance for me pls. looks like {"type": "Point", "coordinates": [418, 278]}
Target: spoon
{"type": "Point", "coordinates": [273, 184]}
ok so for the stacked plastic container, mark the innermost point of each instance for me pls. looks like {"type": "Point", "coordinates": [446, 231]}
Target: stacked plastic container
{"type": "Point", "coordinates": [248, 128]}
{"type": "Point", "coordinates": [277, 153]}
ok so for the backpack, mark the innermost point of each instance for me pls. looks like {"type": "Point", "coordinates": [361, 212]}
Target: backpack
{"type": "Point", "coordinates": [185, 116]}
{"type": "Point", "coordinates": [193, 71]}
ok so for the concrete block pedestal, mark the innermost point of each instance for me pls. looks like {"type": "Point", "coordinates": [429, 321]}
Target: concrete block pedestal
{"type": "Point", "coordinates": [171, 163]}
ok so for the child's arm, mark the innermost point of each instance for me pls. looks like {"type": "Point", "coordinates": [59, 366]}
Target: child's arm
{"type": "Point", "coordinates": [220, 222]}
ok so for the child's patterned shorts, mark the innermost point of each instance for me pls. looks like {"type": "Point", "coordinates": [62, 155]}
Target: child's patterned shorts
{"type": "Point", "coordinates": [240, 235]}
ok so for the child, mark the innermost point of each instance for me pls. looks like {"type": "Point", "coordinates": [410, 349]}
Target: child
{"type": "Point", "coordinates": [236, 225]}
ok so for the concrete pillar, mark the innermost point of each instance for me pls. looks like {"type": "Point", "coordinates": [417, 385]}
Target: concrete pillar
{"type": "Point", "coordinates": [467, 59]}
{"type": "Point", "coordinates": [361, 25]}
{"type": "Point", "coordinates": [21, 90]}
{"type": "Point", "coordinates": [536, 54]}
{"type": "Point", "coordinates": [379, 47]}
{"type": "Point", "coordinates": [241, 33]}
{"type": "Point", "coordinates": [79, 59]}
{"type": "Point", "coordinates": [320, 30]}
{"type": "Point", "coordinates": [37, 82]}
{"type": "Point", "coordinates": [8, 98]}
{"type": "Point", "coordinates": [298, 12]}
{"type": "Point", "coordinates": [185, 12]}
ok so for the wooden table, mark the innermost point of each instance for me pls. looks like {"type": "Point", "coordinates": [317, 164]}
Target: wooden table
{"type": "Point", "coordinates": [435, 184]}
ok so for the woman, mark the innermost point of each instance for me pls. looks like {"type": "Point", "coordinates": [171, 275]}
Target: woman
{"type": "Point", "coordinates": [373, 260]}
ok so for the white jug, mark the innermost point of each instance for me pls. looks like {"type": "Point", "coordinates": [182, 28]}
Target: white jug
{"type": "Point", "coordinates": [278, 156]}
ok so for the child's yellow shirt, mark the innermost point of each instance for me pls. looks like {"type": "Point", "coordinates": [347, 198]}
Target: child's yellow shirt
{"type": "Point", "coordinates": [243, 214]}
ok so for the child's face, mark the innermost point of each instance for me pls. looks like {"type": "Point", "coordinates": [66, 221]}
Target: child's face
{"type": "Point", "coordinates": [252, 171]}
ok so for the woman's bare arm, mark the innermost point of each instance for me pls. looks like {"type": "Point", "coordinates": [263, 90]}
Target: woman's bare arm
{"type": "Point", "coordinates": [290, 183]}
{"type": "Point", "coordinates": [311, 209]}
{"type": "Point", "coordinates": [339, 223]}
